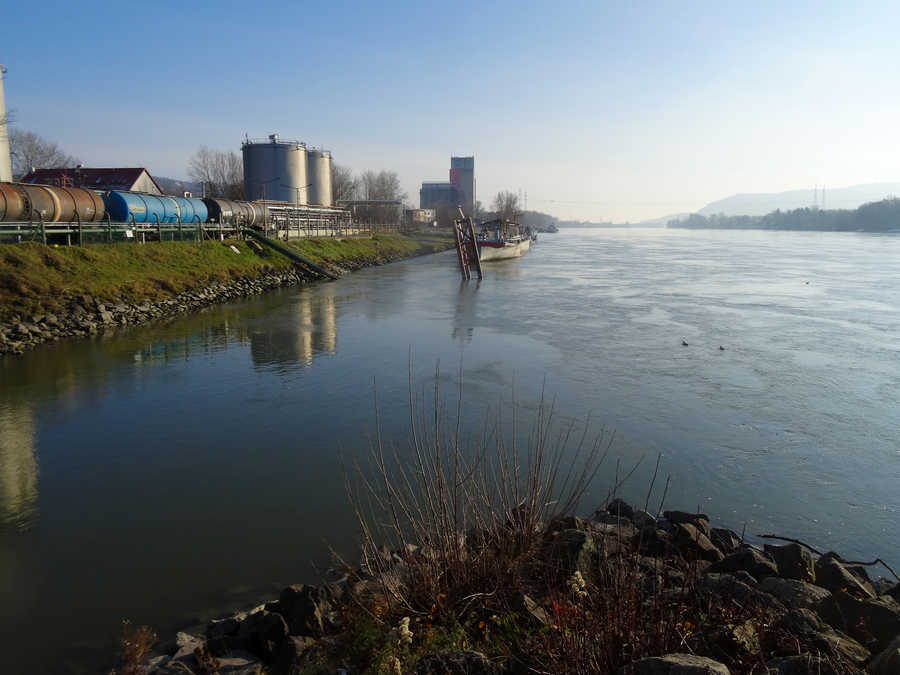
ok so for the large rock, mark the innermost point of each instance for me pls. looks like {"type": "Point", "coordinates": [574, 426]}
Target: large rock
{"type": "Point", "coordinates": [834, 575]}
{"type": "Point", "coordinates": [308, 610]}
{"type": "Point", "coordinates": [725, 540]}
{"type": "Point", "coordinates": [652, 541]}
{"type": "Point", "coordinates": [748, 560]}
{"type": "Point", "coordinates": [293, 655]}
{"type": "Point", "coordinates": [727, 587]}
{"type": "Point", "coordinates": [794, 562]}
{"type": "Point", "coordinates": [619, 507]}
{"type": "Point", "coordinates": [874, 621]}
{"type": "Point", "coordinates": [456, 663]}
{"type": "Point", "coordinates": [806, 623]}
{"type": "Point", "coordinates": [802, 664]}
{"type": "Point", "coordinates": [574, 550]}
{"type": "Point", "coordinates": [803, 595]}
{"type": "Point", "coordinates": [676, 664]}
{"type": "Point", "coordinates": [694, 544]}
{"type": "Point", "coordinates": [888, 661]}
{"type": "Point", "coordinates": [258, 632]}
{"type": "Point", "coordinates": [698, 520]}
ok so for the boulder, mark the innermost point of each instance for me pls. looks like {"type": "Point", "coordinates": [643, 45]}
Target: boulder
{"type": "Point", "coordinates": [806, 623]}
{"type": "Point", "coordinates": [802, 595]}
{"type": "Point", "coordinates": [725, 540]}
{"type": "Point", "coordinates": [794, 562]}
{"type": "Point", "coordinates": [698, 520]}
{"type": "Point", "coordinates": [261, 633]}
{"type": "Point", "coordinates": [874, 621]}
{"type": "Point", "coordinates": [642, 519]}
{"type": "Point", "coordinates": [727, 587]}
{"type": "Point", "coordinates": [802, 664]}
{"type": "Point", "coordinates": [574, 550]}
{"type": "Point", "coordinates": [308, 610]}
{"type": "Point", "coordinates": [832, 574]}
{"type": "Point", "coordinates": [676, 664]}
{"type": "Point", "coordinates": [652, 541]}
{"type": "Point", "coordinates": [293, 654]}
{"type": "Point", "coordinates": [749, 560]}
{"type": "Point", "coordinates": [887, 662]}
{"type": "Point", "coordinates": [456, 663]}
{"type": "Point", "coordinates": [694, 544]}
{"type": "Point", "coordinates": [619, 507]}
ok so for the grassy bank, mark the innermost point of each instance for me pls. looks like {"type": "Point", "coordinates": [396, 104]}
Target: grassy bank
{"type": "Point", "coordinates": [35, 278]}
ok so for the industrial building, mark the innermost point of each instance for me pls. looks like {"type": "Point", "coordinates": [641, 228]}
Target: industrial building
{"type": "Point", "coordinates": [286, 171]}
{"type": "Point", "coordinates": [130, 179]}
{"type": "Point", "coordinates": [458, 191]}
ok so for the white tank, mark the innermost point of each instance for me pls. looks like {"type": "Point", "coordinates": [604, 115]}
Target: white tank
{"type": "Point", "coordinates": [275, 170]}
{"type": "Point", "coordinates": [5, 157]}
{"type": "Point", "coordinates": [318, 173]}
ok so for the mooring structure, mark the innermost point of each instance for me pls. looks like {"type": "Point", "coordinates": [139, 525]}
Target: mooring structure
{"type": "Point", "coordinates": [467, 246]}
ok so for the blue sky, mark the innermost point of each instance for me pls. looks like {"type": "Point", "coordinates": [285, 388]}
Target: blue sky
{"type": "Point", "coordinates": [624, 110]}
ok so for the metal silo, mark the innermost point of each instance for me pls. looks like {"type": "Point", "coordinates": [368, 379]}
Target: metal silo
{"type": "Point", "coordinates": [275, 170]}
{"type": "Point", "coordinates": [318, 172]}
{"type": "Point", "coordinates": [5, 158]}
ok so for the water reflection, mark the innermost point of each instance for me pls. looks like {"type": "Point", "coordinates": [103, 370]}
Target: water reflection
{"type": "Point", "coordinates": [203, 341]}
{"type": "Point", "coordinates": [307, 329]}
{"type": "Point", "coordinates": [464, 312]}
{"type": "Point", "coordinates": [18, 468]}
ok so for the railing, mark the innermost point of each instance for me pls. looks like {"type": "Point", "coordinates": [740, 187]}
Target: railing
{"type": "Point", "coordinates": [75, 233]}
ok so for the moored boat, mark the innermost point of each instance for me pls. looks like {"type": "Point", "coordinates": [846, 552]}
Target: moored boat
{"type": "Point", "coordinates": [501, 240]}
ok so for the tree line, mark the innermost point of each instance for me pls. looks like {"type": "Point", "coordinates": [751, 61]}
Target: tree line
{"type": "Point", "coordinates": [881, 216]}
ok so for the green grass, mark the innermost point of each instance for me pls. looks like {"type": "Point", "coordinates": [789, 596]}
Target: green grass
{"type": "Point", "coordinates": [35, 278]}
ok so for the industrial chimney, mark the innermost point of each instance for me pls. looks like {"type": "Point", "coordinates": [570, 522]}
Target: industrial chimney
{"type": "Point", "coordinates": [5, 158]}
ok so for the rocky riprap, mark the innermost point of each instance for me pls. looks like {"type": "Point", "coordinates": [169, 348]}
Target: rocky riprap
{"type": "Point", "coordinates": [808, 615]}
{"type": "Point", "coordinates": [85, 315]}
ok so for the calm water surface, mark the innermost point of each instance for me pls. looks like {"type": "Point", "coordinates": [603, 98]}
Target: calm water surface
{"type": "Point", "coordinates": [172, 472]}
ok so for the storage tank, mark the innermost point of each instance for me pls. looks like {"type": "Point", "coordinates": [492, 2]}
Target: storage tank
{"type": "Point", "coordinates": [20, 202]}
{"type": "Point", "coordinates": [318, 173]}
{"type": "Point", "coordinates": [275, 170]}
{"type": "Point", "coordinates": [144, 208]}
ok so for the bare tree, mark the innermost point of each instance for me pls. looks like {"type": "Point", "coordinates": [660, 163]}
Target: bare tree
{"type": "Point", "coordinates": [381, 185]}
{"type": "Point", "coordinates": [343, 183]}
{"type": "Point", "coordinates": [30, 151]}
{"type": "Point", "coordinates": [222, 173]}
{"type": "Point", "coordinates": [506, 204]}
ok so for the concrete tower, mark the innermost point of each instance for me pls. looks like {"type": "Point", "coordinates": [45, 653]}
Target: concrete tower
{"type": "Point", "coordinates": [5, 158]}
{"type": "Point", "coordinates": [462, 175]}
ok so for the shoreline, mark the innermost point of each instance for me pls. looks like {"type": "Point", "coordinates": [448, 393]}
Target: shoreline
{"type": "Point", "coordinates": [80, 313]}
{"type": "Point", "coordinates": [732, 607]}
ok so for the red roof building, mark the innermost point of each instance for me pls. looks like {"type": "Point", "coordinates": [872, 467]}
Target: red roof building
{"type": "Point", "coordinates": [132, 179]}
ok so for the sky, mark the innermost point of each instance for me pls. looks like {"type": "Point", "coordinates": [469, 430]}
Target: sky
{"type": "Point", "coordinates": [620, 111]}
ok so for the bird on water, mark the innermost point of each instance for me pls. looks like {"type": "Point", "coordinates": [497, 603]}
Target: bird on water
{"type": "Point", "coordinates": [684, 342]}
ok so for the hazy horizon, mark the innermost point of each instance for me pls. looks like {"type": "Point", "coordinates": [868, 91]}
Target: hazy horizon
{"type": "Point", "coordinates": [598, 113]}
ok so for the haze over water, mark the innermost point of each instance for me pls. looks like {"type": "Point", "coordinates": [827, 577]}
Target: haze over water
{"type": "Point", "coordinates": [178, 470]}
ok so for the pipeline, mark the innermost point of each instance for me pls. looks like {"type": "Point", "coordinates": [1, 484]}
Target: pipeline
{"type": "Point", "coordinates": [293, 255]}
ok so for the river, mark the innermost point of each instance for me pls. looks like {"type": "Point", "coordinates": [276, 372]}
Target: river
{"type": "Point", "coordinates": [167, 473]}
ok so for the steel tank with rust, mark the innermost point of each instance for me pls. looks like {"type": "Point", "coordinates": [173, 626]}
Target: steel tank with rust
{"type": "Point", "coordinates": [49, 203]}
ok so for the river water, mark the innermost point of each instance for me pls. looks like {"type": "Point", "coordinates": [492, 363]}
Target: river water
{"type": "Point", "coordinates": [168, 473]}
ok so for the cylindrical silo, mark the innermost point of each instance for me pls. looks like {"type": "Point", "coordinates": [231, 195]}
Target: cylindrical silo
{"type": "Point", "coordinates": [275, 171]}
{"type": "Point", "coordinates": [5, 158]}
{"type": "Point", "coordinates": [318, 173]}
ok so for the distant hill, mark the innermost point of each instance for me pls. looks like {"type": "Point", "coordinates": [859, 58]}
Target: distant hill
{"type": "Point", "coordinates": [880, 216]}
{"type": "Point", "coordinates": [663, 221]}
{"type": "Point", "coordinates": [177, 188]}
{"type": "Point", "coordinates": [759, 204]}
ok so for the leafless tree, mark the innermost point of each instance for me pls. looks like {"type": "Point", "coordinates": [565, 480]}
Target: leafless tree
{"type": "Point", "coordinates": [29, 151]}
{"type": "Point", "coordinates": [222, 173]}
{"type": "Point", "coordinates": [344, 185]}
{"type": "Point", "coordinates": [381, 185]}
{"type": "Point", "coordinates": [506, 204]}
